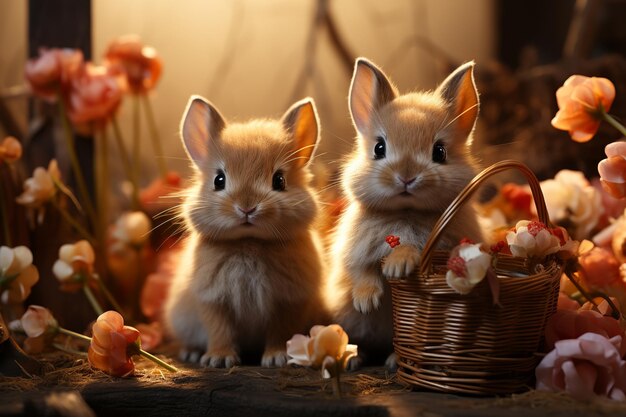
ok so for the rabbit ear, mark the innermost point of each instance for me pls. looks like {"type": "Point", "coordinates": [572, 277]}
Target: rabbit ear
{"type": "Point", "coordinates": [200, 127]}
{"type": "Point", "coordinates": [369, 91]}
{"type": "Point", "coordinates": [459, 90]}
{"type": "Point", "coordinates": [302, 123]}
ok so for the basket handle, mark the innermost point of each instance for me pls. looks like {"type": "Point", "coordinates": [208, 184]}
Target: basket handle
{"type": "Point", "coordinates": [448, 214]}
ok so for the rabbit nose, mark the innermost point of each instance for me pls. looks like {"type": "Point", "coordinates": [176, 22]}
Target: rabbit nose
{"type": "Point", "coordinates": [247, 211]}
{"type": "Point", "coordinates": [407, 182]}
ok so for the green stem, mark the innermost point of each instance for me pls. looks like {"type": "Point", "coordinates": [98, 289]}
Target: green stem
{"type": "Point", "coordinates": [103, 184]}
{"type": "Point", "coordinates": [156, 138]}
{"type": "Point", "coordinates": [158, 361]}
{"type": "Point", "coordinates": [126, 162]}
{"type": "Point", "coordinates": [4, 213]}
{"type": "Point", "coordinates": [74, 334]}
{"type": "Point", "coordinates": [611, 120]}
{"type": "Point", "coordinates": [68, 218]}
{"type": "Point", "coordinates": [92, 299]}
{"type": "Point", "coordinates": [69, 350]}
{"type": "Point", "coordinates": [109, 296]}
{"type": "Point", "coordinates": [136, 161]}
{"type": "Point", "coordinates": [78, 173]}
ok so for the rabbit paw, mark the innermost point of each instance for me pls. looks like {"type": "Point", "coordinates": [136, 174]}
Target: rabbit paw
{"type": "Point", "coordinates": [366, 297]}
{"type": "Point", "coordinates": [220, 359]}
{"type": "Point", "coordinates": [354, 363]}
{"type": "Point", "coordinates": [392, 362]}
{"type": "Point", "coordinates": [189, 355]}
{"type": "Point", "coordinates": [274, 359]}
{"type": "Point", "coordinates": [401, 262]}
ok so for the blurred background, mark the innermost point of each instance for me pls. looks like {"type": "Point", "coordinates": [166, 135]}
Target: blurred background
{"type": "Point", "coordinates": [254, 58]}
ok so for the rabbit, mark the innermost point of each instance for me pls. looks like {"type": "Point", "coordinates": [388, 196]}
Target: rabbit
{"type": "Point", "coordinates": [411, 159]}
{"type": "Point", "coordinates": [251, 275]}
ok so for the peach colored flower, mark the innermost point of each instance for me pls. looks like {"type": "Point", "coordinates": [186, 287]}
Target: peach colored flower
{"type": "Point", "coordinates": [566, 303]}
{"type": "Point", "coordinates": [75, 265]}
{"type": "Point", "coordinates": [570, 324]}
{"type": "Point", "coordinates": [584, 367]}
{"type": "Point", "coordinates": [151, 335]}
{"type": "Point", "coordinates": [581, 102]}
{"type": "Point", "coordinates": [161, 193]}
{"type": "Point", "coordinates": [325, 347]}
{"type": "Point", "coordinates": [93, 98]}
{"type": "Point", "coordinates": [467, 266]}
{"type": "Point", "coordinates": [38, 320]}
{"type": "Point", "coordinates": [612, 170]}
{"type": "Point", "coordinates": [10, 150]}
{"type": "Point", "coordinates": [113, 344]}
{"type": "Point", "coordinates": [132, 229]}
{"type": "Point", "coordinates": [17, 274]}
{"type": "Point", "coordinates": [155, 290]}
{"type": "Point", "coordinates": [140, 63]}
{"type": "Point", "coordinates": [51, 72]}
{"type": "Point", "coordinates": [599, 268]}
{"type": "Point", "coordinates": [40, 188]}
{"type": "Point", "coordinates": [532, 239]}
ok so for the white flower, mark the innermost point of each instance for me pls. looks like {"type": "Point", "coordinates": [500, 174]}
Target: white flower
{"type": "Point", "coordinates": [570, 197]}
{"type": "Point", "coordinates": [467, 266]}
{"type": "Point", "coordinates": [37, 320]}
{"type": "Point", "coordinates": [325, 348]}
{"type": "Point", "coordinates": [17, 273]}
{"type": "Point", "coordinates": [77, 258]}
{"type": "Point", "coordinates": [40, 188]}
{"type": "Point", "coordinates": [532, 239]}
{"type": "Point", "coordinates": [131, 229]}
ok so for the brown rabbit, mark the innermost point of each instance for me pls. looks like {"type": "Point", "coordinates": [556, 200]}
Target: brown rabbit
{"type": "Point", "coordinates": [251, 275]}
{"type": "Point", "coordinates": [411, 159]}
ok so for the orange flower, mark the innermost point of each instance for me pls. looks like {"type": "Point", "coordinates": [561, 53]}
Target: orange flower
{"type": "Point", "coordinates": [93, 98]}
{"type": "Point", "coordinates": [141, 64]}
{"type": "Point", "coordinates": [613, 169]}
{"type": "Point", "coordinates": [600, 268]}
{"type": "Point", "coordinates": [161, 193]}
{"type": "Point", "coordinates": [74, 267]}
{"type": "Point", "coordinates": [10, 150]}
{"type": "Point", "coordinates": [582, 100]}
{"type": "Point", "coordinates": [113, 344]}
{"type": "Point", "coordinates": [52, 71]}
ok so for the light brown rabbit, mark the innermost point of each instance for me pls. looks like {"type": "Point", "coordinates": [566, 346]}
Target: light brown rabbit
{"type": "Point", "coordinates": [251, 276]}
{"type": "Point", "coordinates": [411, 159]}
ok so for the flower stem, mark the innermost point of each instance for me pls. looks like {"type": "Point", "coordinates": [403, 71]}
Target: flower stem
{"type": "Point", "coordinates": [109, 296]}
{"type": "Point", "coordinates": [336, 380]}
{"type": "Point", "coordinates": [4, 214]}
{"type": "Point", "coordinates": [68, 218]}
{"type": "Point", "coordinates": [69, 350]}
{"type": "Point", "coordinates": [136, 161]}
{"type": "Point", "coordinates": [158, 361]}
{"type": "Point", "coordinates": [154, 135]}
{"type": "Point", "coordinates": [78, 173]}
{"type": "Point", "coordinates": [613, 122]}
{"type": "Point", "coordinates": [92, 300]}
{"type": "Point", "coordinates": [126, 162]}
{"type": "Point", "coordinates": [103, 184]}
{"type": "Point", "coordinates": [74, 334]}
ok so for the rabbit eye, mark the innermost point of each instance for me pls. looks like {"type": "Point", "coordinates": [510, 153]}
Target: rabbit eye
{"type": "Point", "coordinates": [278, 181]}
{"type": "Point", "coordinates": [220, 181]}
{"type": "Point", "coordinates": [439, 153]}
{"type": "Point", "coordinates": [380, 149]}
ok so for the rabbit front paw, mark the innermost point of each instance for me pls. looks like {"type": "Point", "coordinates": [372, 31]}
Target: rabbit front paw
{"type": "Point", "coordinates": [366, 297]}
{"type": "Point", "coordinates": [220, 359]}
{"type": "Point", "coordinates": [401, 262]}
{"type": "Point", "coordinates": [274, 359]}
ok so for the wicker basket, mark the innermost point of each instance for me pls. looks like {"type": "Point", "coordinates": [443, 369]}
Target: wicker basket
{"type": "Point", "coordinates": [463, 343]}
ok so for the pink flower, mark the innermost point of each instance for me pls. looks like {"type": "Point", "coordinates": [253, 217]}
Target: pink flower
{"type": "Point", "coordinates": [113, 344]}
{"type": "Point", "coordinates": [40, 188]}
{"type": "Point", "coordinates": [566, 303]}
{"type": "Point", "coordinates": [75, 265]}
{"type": "Point", "coordinates": [151, 335]}
{"type": "Point", "coordinates": [613, 169]}
{"type": "Point", "coordinates": [467, 266]}
{"type": "Point", "coordinates": [599, 267]}
{"type": "Point", "coordinates": [161, 193]}
{"type": "Point", "coordinates": [10, 150]}
{"type": "Point", "coordinates": [17, 274]}
{"type": "Point", "coordinates": [581, 100]}
{"type": "Point", "coordinates": [52, 71]}
{"type": "Point", "coordinates": [141, 64]}
{"type": "Point", "coordinates": [155, 290]}
{"type": "Point", "coordinates": [93, 98]}
{"type": "Point", "coordinates": [584, 367]}
{"type": "Point", "coordinates": [532, 239]}
{"type": "Point", "coordinates": [38, 320]}
{"type": "Point", "coordinates": [132, 229]}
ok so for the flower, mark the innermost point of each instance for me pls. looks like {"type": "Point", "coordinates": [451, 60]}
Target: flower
{"type": "Point", "coordinates": [599, 267]}
{"type": "Point", "coordinates": [113, 344]}
{"type": "Point", "coordinates": [572, 200]}
{"type": "Point", "coordinates": [584, 367]}
{"type": "Point", "coordinates": [155, 290]}
{"type": "Point", "coordinates": [131, 229]}
{"type": "Point", "coordinates": [326, 347]}
{"type": "Point", "coordinates": [93, 98]}
{"type": "Point", "coordinates": [613, 169]}
{"type": "Point", "coordinates": [582, 100]}
{"type": "Point", "coordinates": [151, 335]}
{"type": "Point", "coordinates": [75, 265]}
{"type": "Point", "coordinates": [38, 320]}
{"type": "Point", "coordinates": [532, 239]}
{"type": "Point", "coordinates": [10, 150]}
{"type": "Point", "coordinates": [40, 188]}
{"type": "Point", "coordinates": [52, 71]}
{"type": "Point", "coordinates": [467, 266]}
{"type": "Point", "coordinates": [159, 195]}
{"type": "Point", "coordinates": [141, 64]}
{"type": "Point", "coordinates": [17, 273]}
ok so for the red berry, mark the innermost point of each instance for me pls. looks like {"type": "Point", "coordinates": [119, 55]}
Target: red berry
{"type": "Point", "coordinates": [466, 240]}
{"type": "Point", "coordinates": [497, 247]}
{"type": "Point", "coordinates": [456, 264]}
{"type": "Point", "coordinates": [535, 227]}
{"type": "Point", "coordinates": [392, 240]}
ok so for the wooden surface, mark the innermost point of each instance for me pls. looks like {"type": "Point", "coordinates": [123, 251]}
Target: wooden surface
{"type": "Point", "coordinates": [254, 391]}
